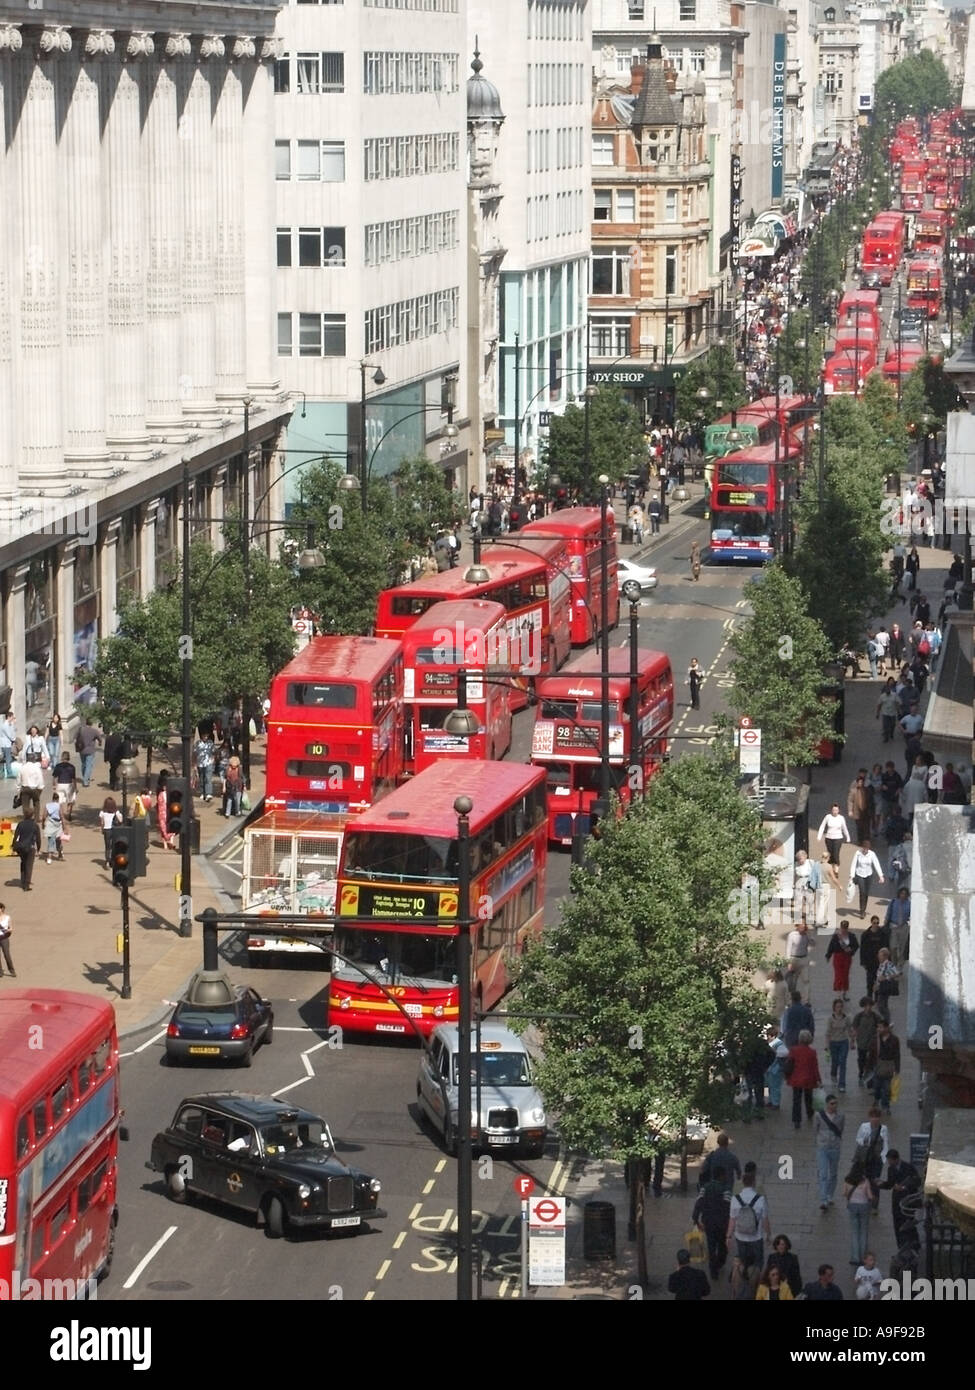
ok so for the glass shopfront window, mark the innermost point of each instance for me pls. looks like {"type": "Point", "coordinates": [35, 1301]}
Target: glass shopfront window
{"type": "Point", "coordinates": [85, 621]}
{"type": "Point", "coordinates": [128, 573]}
{"type": "Point", "coordinates": [39, 639]}
{"type": "Point", "coordinates": [167, 520]}
{"type": "Point", "coordinates": [199, 509]}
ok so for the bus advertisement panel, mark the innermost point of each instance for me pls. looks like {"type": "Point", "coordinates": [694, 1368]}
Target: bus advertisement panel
{"type": "Point", "coordinates": [567, 739]}
{"type": "Point", "coordinates": [470, 637]}
{"type": "Point", "coordinates": [395, 963]}
{"type": "Point", "coordinates": [581, 530]}
{"type": "Point", "coordinates": [335, 726]}
{"type": "Point", "coordinates": [59, 1132]}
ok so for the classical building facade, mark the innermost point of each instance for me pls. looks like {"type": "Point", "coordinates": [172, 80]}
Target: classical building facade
{"type": "Point", "coordinates": [136, 309]}
{"type": "Point", "coordinates": [371, 250]}
{"type": "Point", "coordinates": [651, 301]}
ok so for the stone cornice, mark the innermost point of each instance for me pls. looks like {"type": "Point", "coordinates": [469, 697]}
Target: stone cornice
{"type": "Point", "coordinates": [246, 18]}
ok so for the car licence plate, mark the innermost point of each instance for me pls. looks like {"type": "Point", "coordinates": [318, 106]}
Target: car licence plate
{"type": "Point", "coordinates": [346, 1221]}
{"type": "Point", "coordinates": [204, 1051]}
{"type": "Point", "coordinates": [502, 1138]}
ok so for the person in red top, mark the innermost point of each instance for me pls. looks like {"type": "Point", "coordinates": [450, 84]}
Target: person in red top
{"type": "Point", "coordinates": [803, 1076]}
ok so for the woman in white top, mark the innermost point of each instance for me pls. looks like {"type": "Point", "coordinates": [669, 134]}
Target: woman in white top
{"type": "Point", "coordinates": [833, 831]}
{"type": "Point", "coordinates": [866, 866]}
{"type": "Point", "coordinates": [108, 818]}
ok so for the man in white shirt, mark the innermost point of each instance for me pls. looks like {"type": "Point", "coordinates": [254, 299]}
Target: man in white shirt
{"type": "Point", "coordinates": [912, 723]}
{"type": "Point", "coordinates": [749, 1220]}
{"type": "Point", "coordinates": [797, 945]}
{"type": "Point", "coordinates": [833, 831]}
{"type": "Point", "coordinates": [865, 867]}
{"type": "Point", "coordinates": [30, 784]}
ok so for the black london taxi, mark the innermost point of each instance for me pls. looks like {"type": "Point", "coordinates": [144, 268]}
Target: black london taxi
{"type": "Point", "coordinates": [262, 1155]}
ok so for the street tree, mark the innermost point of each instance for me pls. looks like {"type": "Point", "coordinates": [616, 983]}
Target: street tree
{"type": "Point", "coordinates": [915, 86]}
{"type": "Point", "coordinates": [643, 989]}
{"type": "Point", "coordinates": [780, 654]}
{"type": "Point", "coordinates": [719, 374]}
{"type": "Point", "coordinates": [616, 445]}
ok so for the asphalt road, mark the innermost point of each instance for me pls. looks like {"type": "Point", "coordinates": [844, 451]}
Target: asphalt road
{"type": "Point", "coordinates": [366, 1090]}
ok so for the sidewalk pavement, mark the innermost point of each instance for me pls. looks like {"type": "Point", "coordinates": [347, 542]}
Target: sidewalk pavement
{"type": "Point", "coordinates": [785, 1157]}
{"type": "Point", "coordinates": [65, 932]}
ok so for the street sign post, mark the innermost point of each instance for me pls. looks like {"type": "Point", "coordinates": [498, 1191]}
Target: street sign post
{"type": "Point", "coordinates": [524, 1185]}
{"type": "Point", "coordinates": [749, 750]}
{"type": "Point", "coordinates": [546, 1241]}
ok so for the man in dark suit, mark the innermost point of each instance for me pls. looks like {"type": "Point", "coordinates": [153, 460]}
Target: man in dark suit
{"type": "Point", "coordinates": [902, 1181]}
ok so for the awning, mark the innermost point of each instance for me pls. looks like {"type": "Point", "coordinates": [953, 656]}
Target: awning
{"type": "Point", "coordinates": [783, 225]}
{"type": "Point", "coordinates": [755, 246]}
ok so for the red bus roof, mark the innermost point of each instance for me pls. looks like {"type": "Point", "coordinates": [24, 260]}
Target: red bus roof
{"type": "Point", "coordinates": [360, 658]}
{"type": "Point", "coordinates": [71, 1022]}
{"type": "Point", "coordinates": [572, 521]}
{"type": "Point", "coordinates": [425, 805]}
{"type": "Point", "coordinates": [760, 453]}
{"type": "Point", "coordinates": [471, 615]}
{"type": "Point", "coordinates": [865, 299]}
{"type": "Point", "coordinates": [584, 667]}
{"type": "Point", "coordinates": [453, 584]}
{"type": "Point", "coordinates": [549, 548]}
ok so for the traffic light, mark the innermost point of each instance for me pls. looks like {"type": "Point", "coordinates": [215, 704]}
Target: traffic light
{"type": "Point", "coordinates": [121, 856]}
{"type": "Point", "coordinates": [178, 812]}
{"type": "Point", "coordinates": [516, 516]}
{"type": "Point", "coordinates": [138, 848]}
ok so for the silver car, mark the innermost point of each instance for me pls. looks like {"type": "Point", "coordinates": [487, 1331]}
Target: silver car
{"type": "Point", "coordinates": [507, 1111]}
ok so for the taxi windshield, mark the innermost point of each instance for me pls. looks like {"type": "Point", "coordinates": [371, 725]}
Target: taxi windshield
{"type": "Point", "coordinates": [289, 1136]}
{"type": "Point", "coordinates": [498, 1069]}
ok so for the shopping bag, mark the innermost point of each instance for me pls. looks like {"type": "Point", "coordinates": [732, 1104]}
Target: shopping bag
{"type": "Point", "coordinates": [851, 891]}
{"type": "Point", "coordinates": [895, 1089]}
{"type": "Point", "coordinates": [65, 836]}
{"type": "Point", "coordinates": [694, 1244]}
{"type": "Point", "coordinates": [245, 802]}
{"type": "Point", "coordinates": [819, 1098]}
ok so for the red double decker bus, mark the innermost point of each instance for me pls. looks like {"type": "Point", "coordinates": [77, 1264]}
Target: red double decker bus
{"type": "Point", "coordinates": [744, 500]}
{"type": "Point", "coordinates": [335, 726]}
{"type": "Point", "coordinates": [59, 1133]}
{"type": "Point", "coordinates": [568, 736]}
{"type": "Point", "coordinates": [924, 286]}
{"type": "Point", "coordinates": [930, 228]}
{"type": "Point", "coordinates": [467, 636]}
{"type": "Point", "coordinates": [516, 578]}
{"type": "Point", "coordinates": [581, 530]}
{"type": "Point", "coordinates": [399, 896]}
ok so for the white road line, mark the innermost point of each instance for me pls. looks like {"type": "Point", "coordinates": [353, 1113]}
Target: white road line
{"type": "Point", "coordinates": [148, 1043]}
{"type": "Point", "coordinates": [282, 1090]}
{"type": "Point", "coordinates": [305, 1062]}
{"type": "Point", "coordinates": [133, 1277]}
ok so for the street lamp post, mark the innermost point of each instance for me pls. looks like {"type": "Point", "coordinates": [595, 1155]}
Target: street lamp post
{"type": "Point", "coordinates": [516, 494]}
{"type": "Point", "coordinates": [379, 377]}
{"type": "Point", "coordinates": [186, 639]}
{"type": "Point", "coordinates": [465, 1149]}
{"type": "Point", "coordinates": [587, 395]}
{"type": "Point", "coordinates": [126, 768]}
{"type": "Point", "coordinates": [631, 592]}
{"type": "Point", "coordinates": [604, 768]}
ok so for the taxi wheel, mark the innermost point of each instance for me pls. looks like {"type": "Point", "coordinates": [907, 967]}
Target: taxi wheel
{"type": "Point", "coordinates": [275, 1219]}
{"type": "Point", "coordinates": [175, 1185]}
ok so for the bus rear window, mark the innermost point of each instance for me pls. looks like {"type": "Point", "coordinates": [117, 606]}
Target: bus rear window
{"type": "Point", "coordinates": [410, 607]}
{"type": "Point", "coordinates": [336, 774]}
{"type": "Point", "coordinates": [320, 695]}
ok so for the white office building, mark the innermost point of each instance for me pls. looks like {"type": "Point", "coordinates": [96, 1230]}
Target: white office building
{"type": "Point", "coordinates": [371, 197]}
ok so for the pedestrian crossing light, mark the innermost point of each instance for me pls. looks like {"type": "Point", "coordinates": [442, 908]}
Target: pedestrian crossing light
{"type": "Point", "coordinates": [121, 856]}
{"type": "Point", "coordinates": [177, 806]}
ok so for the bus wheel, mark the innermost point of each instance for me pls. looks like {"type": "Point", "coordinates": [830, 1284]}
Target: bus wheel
{"type": "Point", "coordinates": [275, 1220]}
{"type": "Point", "coordinates": [175, 1185]}
{"type": "Point", "coordinates": [106, 1268]}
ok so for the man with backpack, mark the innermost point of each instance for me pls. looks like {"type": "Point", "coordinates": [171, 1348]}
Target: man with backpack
{"type": "Point", "coordinates": [749, 1220]}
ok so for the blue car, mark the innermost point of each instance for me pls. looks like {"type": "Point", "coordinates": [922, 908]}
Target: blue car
{"type": "Point", "coordinates": [218, 1021]}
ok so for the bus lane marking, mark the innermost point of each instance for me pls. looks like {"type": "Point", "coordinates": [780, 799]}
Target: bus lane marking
{"type": "Point", "coordinates": [149, 1042]}
{"type": "Point", "coordinates": [137, 1272]}
{"type": "Point", "coordinates": [305, 1058]}
{"type": "Point", "coordinates": [400, 1238]}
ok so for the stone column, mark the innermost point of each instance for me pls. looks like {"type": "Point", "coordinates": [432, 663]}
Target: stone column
{"type": "Point", "coordinates": [126, 357]}
{"type": "Point", "coordinates": [147, 546]}
{"type": "Point", "coordinates": [165, 218]}
{"type": "Point", "coordinates": [79, 91]}
{"type": "Point", "coordinates": [196, 387]}
{"type": "Point", "coordinates": [108, 576]}
{"type": "Point", "coordinates": [11, 42]}
{"type": "Point", "coordinates": [62, 680]}
{"type": "Point", "coordinates": [36, 145]}
{"type": "Point", "coordinates": [260, 264]}
{"type": "Point", "coordinates": [229, 262]}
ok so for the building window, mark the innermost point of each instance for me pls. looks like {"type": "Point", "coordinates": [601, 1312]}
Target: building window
{"type": "Point", "coordinates": [284, 246]}
{"type": "Point", "coordinates": [670, 205]}
{"type": "Point", "coordinates": [282, 159]}
{"type": "Point", "coordinates": [321, 335]}
{"type": "Point", "coordinates": [321, 161]}
{"type": "Point", "coordinates": [634, 9]}
{"type": "Point", "coordinates": [128, 578]}
{"type": "Point", "coordinates": [405, 237]}
{"type": "Point", "coordinates": [833, 81]}
{"type": "Point", "coordinates": [320, 72]}
{"type": "Point", "coordinates": [86, 607]}
{"type": "Point", "coordinates": [285, 342]}
{"type": "Point", "coordinates": [610, 270]}
{"type": "Point", "coordinates": [609, 337]}
{"type": "Point", "coordinates": [166, 542]}
{"type": "Point", "coordinates": [390, 74]}
{"type": "Point", "coordinates": [670, 282]}
{"type": "Point", "coordinates": [626, 205]}
{"type": "Point", "coordinates": [395, 325]}
{"type": "Point", "coordinates": [687, 12]}
{"type": "Point", "coordinates": [321, 246]}
{"type": "Point", "coordinates": [602, 205]}
{"type": "Point", "coordinates": [829, 15]}
{"type": "Point", "coordinates": [282, 74]}
{"type": "Point", "coordinates": [696, 59]}
{"type": "Point", "coordinates": [602, 149]}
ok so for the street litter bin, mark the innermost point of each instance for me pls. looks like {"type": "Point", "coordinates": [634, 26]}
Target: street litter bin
{"type": "Point", "coordinates": [6, 838]}
{"type": "Point", "coordinates": [599, 1231]}
{"type": "Point", "coordinates": [626, 535]}
{"type": "Point", "coordinates": [680, 494]}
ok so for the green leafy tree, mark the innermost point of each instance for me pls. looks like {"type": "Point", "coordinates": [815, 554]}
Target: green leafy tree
{"type": "Point", "coordinates": [915, 86]}
{"type": "Point", "coordinates": [780, 656]}
{"type": "Point", "coordinates": [719, 374]}
{"type": "Point", "coordinates": [616, 441]}
{"type": "Point", "coordinates": [645, 983]}
{"type": "Point", "coordinates": [365, 554]}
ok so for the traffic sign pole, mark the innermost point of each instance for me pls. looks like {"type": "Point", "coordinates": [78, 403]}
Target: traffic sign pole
{"type": "Point", "coordinates": [524, 1185]}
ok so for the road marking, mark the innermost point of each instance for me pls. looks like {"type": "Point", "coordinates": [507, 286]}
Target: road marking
{"type": "Point", "coordinates": [148, 1043]}
{"type": "Point", "coordinates": [283, 1090]}
{"type": "Point", "coordinates": [415, 1212]}
{"type": "Point", "coordinates": [441, 1165]}
{"type": "Point", "coordinates": [399, 1240]}
{"type": "Point", "coordinates": [306, 1063]}
{"type": "Point", "coordinates": [429, 1187]}
{"type": "Point", "coordinates": [146, 1258]}
{"type": "Point", "coordinates": [383, 1270]}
